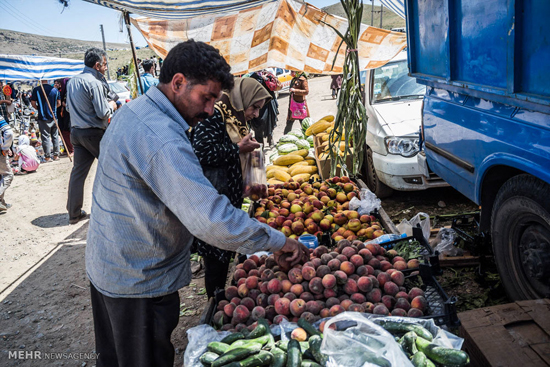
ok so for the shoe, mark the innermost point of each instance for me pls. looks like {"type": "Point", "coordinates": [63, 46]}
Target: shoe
{"type": "Point", "coordinates": [55, 158]}
{"type": "Point", "coordinates": [47, 160]}
{"type": "Point", "coordinates": [3, 207]}
{"type": "Point", "coordinates": [82, 215]}
{"type": "Point", "coordinates": [7, 205]}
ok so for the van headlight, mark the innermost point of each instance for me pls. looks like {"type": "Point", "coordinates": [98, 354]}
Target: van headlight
{"type": "Point", "coordinates": [403, 145]}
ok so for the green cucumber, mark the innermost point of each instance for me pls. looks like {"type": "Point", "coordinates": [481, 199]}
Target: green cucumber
{"type": "Point", "coordinates": [245, 332]}
{"type": "Point", "coordinates": [309, 363]}
{"type": "Point", "coordinates": [441, 355]}
{"type": "Point", "coordinates": [419, 360]}
{"type": "Point", "coordinates": [233, 337]}
{"type": "Point", "coordinates": [308, 327]}
{"type": "Point", "coordinates": [283, 344]}
{"type": "Point", "coordinates": [259, 330]}
{"type": "Point", "coordinates": [294, 354]}
{"type": "Point", "coordinates": [237, 354]}
{"type": "Point", "coordinates": [243, 343]}
{"type": "Point", "coordinates": [410, 342]}
{"type": "Point", "coordinates": [395, 327]}
{"type": "Point", "coordinates": [263, 358]}
{"type": "Point", "coordinates": [218, 347]}
{"type": "Point", "coordinates": [264, 323]}
{"type": "Point", "coordinates": [279, 357]}
{"type": "Point", "coordinates": [315, 347]}
{"type": "Point", "coordinates": [208, 357]}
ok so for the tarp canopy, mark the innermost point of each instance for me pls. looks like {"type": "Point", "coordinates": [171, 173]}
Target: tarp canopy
{"type": "Point", "coordinates": [29, 68]}
{"type": "Point", "coordinates": [397, 6]}
{"type": "Point", "coordinates": [178, 9]}
{"type": "Point", "coordinates": [287, 34]}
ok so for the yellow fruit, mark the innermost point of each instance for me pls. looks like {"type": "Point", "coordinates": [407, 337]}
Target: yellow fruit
{"type": "Point", "coordinates": [311, 161]}
{"type": "Point", "coordinates": [271, 173]}
{"type": "Point", "coordinates": [281, 176]}
{"type": "Point", "coordinates": [303, 176]}
{"type": "Point", "coordinates": [274, 166]}
{"type": "Point", "coordinates": [274, 181]}
{"type": "Point", "coordinates": [325, 144]}
{"type": "Point", "coordinates": [301, 152]}
{"type": "Point", "coordinates": [325, 137]}
{"type": "Point", "coordinates": [316, 177]}
{"type": "Point", "coordinates": [302, 163]}
{"type": "Point", "coordinates": [328, 118]}
{"type": "Point", "coordinates": [287, 160]}
{"type": "Point", "coordinates": [317, 127]}
{"type": "Point", "coordinates": [302, 169]}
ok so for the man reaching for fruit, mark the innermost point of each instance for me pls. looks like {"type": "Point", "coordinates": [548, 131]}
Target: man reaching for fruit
{"type": "Point", "coordinates": [150, 198]}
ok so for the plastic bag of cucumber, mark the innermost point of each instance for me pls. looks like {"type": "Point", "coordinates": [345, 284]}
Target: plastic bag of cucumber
{"type": "Point", "coordinates": [349, 339]}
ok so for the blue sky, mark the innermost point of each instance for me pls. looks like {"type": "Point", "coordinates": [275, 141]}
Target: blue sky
{"type": "Point", "coordinates": [80, 20]}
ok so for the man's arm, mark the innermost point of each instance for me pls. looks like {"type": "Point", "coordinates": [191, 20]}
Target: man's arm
{"type": "Point", "coordinates": [175, 176]}
{"type": "Point", "coordinates": [101, 106]}
{"type": "Point", "coordinates": [34, 105]}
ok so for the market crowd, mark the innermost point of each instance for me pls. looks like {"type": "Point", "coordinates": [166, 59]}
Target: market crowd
{"type": "Point", "coordinates": [171, 166]}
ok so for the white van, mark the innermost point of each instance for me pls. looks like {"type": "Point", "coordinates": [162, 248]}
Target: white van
{"type": "Point", "coordinates": [394, 160]}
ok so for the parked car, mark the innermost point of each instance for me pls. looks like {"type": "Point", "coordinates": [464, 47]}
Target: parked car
{"type": "Point", "coordinates": [394, 160]}
{"type": "Point", "coordinates": [122, 90]}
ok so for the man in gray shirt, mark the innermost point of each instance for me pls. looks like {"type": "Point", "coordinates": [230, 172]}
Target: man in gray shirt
{"type": "Point", "coordinates": [150, 199]}
{"type": "Point", "coordinates": [90, 111]}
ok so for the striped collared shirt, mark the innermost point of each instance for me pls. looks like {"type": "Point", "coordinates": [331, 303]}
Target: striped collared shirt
{"type": "Point", "coordinates": [150, 198]}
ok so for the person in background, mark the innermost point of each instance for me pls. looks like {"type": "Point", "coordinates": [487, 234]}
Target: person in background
{"type": "Point", "coordinates": [90, 111]}
{"type": "Point", "coordinates": [219, 153]}
{"type": "Point", "coordinates": [335, 84]}
{"type": "Point", "coordinates": [26, 99]}
{"type": "Point", "coordinates": [5, 102]}
{"type": "Point", "coordinates": [63, 117]}
{"type": "Point", "coordinates": [6, 173]}
{"type": "Point", "coordinates": [48, 130]}
{"type": "Point", "coordinates": [150, 200]}
{"type": "Point", "coordinates": [265, 123]}
{"type": "Point", "coordinates": [147, 78]}
{"type": "Point", "coordinates": [297, 107]}
{"type": "Point", "coordinates": [26, 153]}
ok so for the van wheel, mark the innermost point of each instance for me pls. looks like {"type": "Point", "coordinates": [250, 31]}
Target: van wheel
{"type": "Point", "coordinates": [520, 229]}
{"type": "Point", "coordinates": [379, 188]}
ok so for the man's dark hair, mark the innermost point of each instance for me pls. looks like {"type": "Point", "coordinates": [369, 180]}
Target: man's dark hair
{"type": "Point", "coordinates": [147, 65]}
{"type": "Point", "coordinates": [198, 62]}
{"type": "Point", "coordinates": [94, 55]}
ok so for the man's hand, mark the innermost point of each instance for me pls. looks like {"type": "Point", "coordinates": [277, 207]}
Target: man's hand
{"type": "Point", "coordinates": [113, 105]}
{"type": "Point", "coordinates": [248, 144]}
{"type": "Point", "coordinates": [291, 254]}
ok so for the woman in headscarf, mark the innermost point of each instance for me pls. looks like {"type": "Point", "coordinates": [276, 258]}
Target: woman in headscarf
{"type": "Point", "coordinates": [63, 117]}
{"type": "Point", "coordinates": [264, 125]}
{"type": "Point", "coordinates": [219, 143]}
{"type": "Point", "coordinates": [27, 158]}
{"type": "Point", "coordinates": [297, 106]}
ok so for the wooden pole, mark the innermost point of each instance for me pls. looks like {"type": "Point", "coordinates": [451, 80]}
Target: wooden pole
{"type": "Point", "coordinates": [128, 27]}
{"type": "Point", "coordinates": [55, 120]}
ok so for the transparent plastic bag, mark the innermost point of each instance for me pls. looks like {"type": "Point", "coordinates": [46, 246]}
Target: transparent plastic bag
{"type": "Point", "coordinates": [357, 341]}
{"type": "Point", "coordinates": [198, 338]}
{"type": "Point", "coordinates": [368, 203]}
{"type": "Point", "coordinates": [445, 242]}
{"type": "Point", "coordinates": [254, 176]}
{"type": "Point", "coordinates": [422, 219]}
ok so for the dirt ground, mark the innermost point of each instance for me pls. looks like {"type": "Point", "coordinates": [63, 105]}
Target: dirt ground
{"type": "Point", "coordinates": [44, 293]}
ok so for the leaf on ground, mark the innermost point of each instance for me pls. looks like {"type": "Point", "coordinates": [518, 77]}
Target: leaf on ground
{"type": "Point", "coordinates": [201, 291]}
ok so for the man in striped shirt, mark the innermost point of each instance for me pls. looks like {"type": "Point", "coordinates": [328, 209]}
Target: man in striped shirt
{"type": "Point", "coordinates": [150, 199]}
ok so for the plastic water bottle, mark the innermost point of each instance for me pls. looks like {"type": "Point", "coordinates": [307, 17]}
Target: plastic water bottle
{"type": "Point", "coordinates": [387, 238]}
{"type": "Point", "coordinates": [308, 241]}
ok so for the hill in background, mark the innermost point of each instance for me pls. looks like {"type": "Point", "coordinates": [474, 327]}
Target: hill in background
{"type": "Point", "coordinates": [389, 18]}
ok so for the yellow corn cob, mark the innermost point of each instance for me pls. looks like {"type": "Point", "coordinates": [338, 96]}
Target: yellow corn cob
{"type": "Point", "coordinates": [303, 176]}
{"type": "Point", "coordinates": [274, 181]}
{"type": "Point", "coordinates": [287, 160]}
{"type": "Point", "coordinates": [281, 176]}
{"type": "Point", "coordinates": [301, 152]}
{"type": "Point", "coordinates": [302, 169]}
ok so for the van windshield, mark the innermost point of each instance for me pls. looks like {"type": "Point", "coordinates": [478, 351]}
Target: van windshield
{"type": "Point", "coordinates": [392, 82]}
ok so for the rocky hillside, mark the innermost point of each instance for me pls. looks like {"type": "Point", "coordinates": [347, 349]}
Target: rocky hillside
{"type": "Point", "coordinates": [17, 43]}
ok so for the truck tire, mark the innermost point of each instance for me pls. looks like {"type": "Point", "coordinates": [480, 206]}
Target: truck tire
{"type": "Point", "coordinates": [520, 229]}
{"type": "Point", "coordinates": [379, 188]}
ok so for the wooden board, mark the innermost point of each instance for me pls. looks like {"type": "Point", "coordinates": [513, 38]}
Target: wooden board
{"type": "Point", "coordinates": [514, 334]}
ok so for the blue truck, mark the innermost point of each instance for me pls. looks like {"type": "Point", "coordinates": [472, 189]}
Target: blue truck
{"type": "Point", "coordinates": [486, 121]}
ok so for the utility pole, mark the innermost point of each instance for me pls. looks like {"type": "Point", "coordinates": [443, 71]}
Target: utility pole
{"type": "Point", "coordinates": [372, 13]}
{"type": "Point", "coordinates": [105, 49]}
{"type": "Point", "coordinates": [381, 12]}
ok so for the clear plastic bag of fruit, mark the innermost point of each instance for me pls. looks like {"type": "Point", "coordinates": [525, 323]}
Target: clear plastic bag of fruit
{"type": "Point", "coordinates": [254, 175]}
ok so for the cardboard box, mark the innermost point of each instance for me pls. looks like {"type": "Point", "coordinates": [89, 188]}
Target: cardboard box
{"type": "Point", "coordinates": [324, 165]}
{"type": "Point", "coordinates": [514, 334]}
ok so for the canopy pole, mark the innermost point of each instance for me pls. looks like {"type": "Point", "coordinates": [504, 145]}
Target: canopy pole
{"type": "Point", "coordinates": [128, 27]}
{"type": "Point", "coordinates": [54, 119]}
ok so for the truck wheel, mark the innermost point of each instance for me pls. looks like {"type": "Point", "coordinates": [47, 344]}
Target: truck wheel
{"type": "Point", "coordinates": [379, 188]}
{"type": "Point", "coordinates": [520, 227]}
